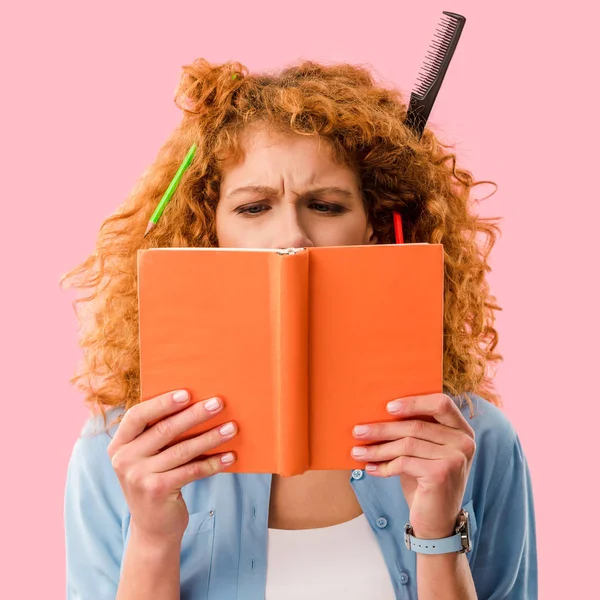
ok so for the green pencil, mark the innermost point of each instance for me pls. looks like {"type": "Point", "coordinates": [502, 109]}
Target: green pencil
{"type": "Point", "coordinates": [187, 161]}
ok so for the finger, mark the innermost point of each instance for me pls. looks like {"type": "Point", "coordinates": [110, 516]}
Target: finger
{"type": "Point", "coordinates": [194, 470]}
{"type": "Point", "coordinates": [187, 450]}
{"type": "Point", "coordinates": [155, 438]}
{"type": "Point", "coordinates": [417, 428]}
{"type": "Point", "coordinates": [407, 446]}
{"type": "Point", "coordinates": [439, 406]}
{"type": "Point", "coordinates": [433, 470]}
{"type": "Point", "coordinates": [137, 418]}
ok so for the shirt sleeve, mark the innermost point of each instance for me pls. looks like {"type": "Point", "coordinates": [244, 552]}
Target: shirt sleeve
{"type": "Point", "coordinates": [93, 524]}
{"type": "Point", "coordinates": [505, 567]}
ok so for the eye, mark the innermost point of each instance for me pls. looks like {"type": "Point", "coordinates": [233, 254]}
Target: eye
{"type": "Point", "coordinates": [252, 210]}
{"type": "Point", "coordinates": [325, 208]}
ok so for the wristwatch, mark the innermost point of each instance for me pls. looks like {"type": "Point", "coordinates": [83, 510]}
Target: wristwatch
{"type": "Point", "coordinates": [460, 542]}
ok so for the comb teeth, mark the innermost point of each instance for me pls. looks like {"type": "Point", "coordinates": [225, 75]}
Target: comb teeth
{"type": "Point", "coordinates": [435, 55]}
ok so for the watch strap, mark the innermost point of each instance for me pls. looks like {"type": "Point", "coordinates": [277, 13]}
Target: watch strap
{"type": "Point", "coordinates": [459, 542]}
{"type": "Point", "coordinates": [439, 546]}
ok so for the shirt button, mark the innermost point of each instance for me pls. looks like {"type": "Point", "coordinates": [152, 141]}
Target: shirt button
{"type": "Point", "coordinates": [403, 578]}
{"type": "Point", "coordinates": [357, 474]}
{"type": "Point", "coordinates": [381, 522]}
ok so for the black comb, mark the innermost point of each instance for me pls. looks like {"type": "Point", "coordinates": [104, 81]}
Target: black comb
{"type": "Point", "coordinates": [434, 69]}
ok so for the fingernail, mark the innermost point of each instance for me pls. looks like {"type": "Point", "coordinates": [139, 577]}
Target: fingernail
{"type": "Point", "coordinates": [361, 429]}
{"type": "Point", "coordinates": [212, 404]}
{"type": "Point", "coordinates": [395, 406]}
{"type": "Point", "coordinates": [181, 396]}
{"type": "Point", "coordinates": [227, 429]}
{"type": "Point", "coordinates": [370, 468]}
{"type": "Point", "coordinates": [227, 458]}
{"type": "Point", "coordinates": [359, 451]}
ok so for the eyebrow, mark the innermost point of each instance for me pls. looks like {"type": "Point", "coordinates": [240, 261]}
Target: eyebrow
{"type": "Point", "coordinates": [263, 189]}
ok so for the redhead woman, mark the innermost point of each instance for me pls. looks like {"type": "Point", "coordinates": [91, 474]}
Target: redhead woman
{"type": "Point", "coordinates": [311, 156]}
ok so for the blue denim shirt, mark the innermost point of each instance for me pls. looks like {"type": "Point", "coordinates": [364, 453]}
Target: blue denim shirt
{"type": "Point", "coordinates": [224, 548]}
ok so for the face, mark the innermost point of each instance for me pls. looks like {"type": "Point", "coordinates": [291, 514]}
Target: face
{"type": "Point", "coordinates": [288, 192]}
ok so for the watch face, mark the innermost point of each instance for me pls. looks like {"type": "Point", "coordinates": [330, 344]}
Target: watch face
{"type": "Point", "coordinates": [463, 528]}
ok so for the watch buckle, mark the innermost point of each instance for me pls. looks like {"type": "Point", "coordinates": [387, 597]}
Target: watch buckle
{"type": "Point", "coordinates": [408, 531]}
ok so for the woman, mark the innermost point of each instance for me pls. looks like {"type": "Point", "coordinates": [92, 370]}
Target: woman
{"type": "Point", "coordinates": [314, 156]}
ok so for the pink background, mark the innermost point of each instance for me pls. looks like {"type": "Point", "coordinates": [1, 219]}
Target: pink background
{"type": "Point", "coordinates": [86, 102]}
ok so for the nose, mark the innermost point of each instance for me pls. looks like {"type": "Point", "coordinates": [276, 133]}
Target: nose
{"type": "Point", "coordinates": [290, 232]}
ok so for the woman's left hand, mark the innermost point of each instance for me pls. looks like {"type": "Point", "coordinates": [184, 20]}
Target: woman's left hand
{"type": "Point", "coordinates": [431, 448]}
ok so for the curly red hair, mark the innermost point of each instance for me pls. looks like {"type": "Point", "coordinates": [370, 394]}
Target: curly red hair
{"type": "Point", "coordinates": [364, 123]}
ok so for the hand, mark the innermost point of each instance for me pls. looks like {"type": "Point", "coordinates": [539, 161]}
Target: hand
{"type": "Point", "coordinates": [431, 448]}
{"type": "Point", "coordinates": [151, 475]}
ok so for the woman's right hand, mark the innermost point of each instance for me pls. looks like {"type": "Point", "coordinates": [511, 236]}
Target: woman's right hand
{"type": "Point", "coordinates": [151, 475]}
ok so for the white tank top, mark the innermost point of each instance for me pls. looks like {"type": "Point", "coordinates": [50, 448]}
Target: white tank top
{"type": "Point", "coordinates": [341, 561]}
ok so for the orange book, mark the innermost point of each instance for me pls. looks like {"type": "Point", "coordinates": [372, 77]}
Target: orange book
{"type": "Point", "coordinates": [301, 344]}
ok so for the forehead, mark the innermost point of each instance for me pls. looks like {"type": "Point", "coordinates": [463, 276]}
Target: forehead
{"type": "Point", "coordinates": [267, 151]}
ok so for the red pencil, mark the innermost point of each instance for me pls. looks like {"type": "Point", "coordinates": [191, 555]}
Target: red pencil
{"type": "Point", "coordinates": [398, 228]}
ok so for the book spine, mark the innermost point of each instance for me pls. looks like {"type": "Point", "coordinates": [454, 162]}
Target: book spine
{"type": "Point", "coordinates": [289, 311]}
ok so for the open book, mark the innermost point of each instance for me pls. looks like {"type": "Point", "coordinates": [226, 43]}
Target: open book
{"type": "Point", "coordinates": [301, 344]}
